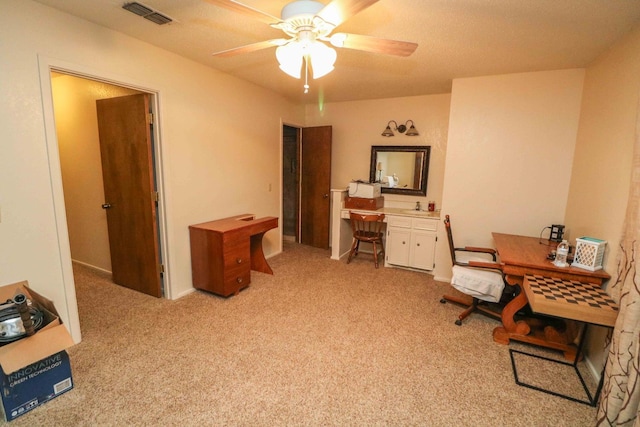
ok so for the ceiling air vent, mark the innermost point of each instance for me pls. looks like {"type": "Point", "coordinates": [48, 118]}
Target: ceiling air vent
{"type": "Point", "coordinates": [147, 13]}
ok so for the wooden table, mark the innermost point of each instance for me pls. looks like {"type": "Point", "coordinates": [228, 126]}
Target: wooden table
{"type": "Point", "coordinates": [223, 252]}
{"type": "Point", "coordinates": [522, 256]}
{"type": "Point", "coordinates": [584, 302]}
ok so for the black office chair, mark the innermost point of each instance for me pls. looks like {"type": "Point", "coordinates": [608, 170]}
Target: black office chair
{"type": "Point", "coordinates": [478, 275]}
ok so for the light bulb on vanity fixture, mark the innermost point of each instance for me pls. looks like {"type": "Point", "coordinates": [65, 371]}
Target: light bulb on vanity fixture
{"type": "Point", "coordinates": [402, 128]}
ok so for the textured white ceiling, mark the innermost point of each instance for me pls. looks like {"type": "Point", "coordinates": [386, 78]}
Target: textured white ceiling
{"type": "Point", "coordinates": [456, 38]}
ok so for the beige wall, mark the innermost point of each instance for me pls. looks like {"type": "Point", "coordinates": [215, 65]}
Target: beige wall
{"type": "Point", "coordinates": [508, 142]}
{"type": "Point", "coordinates": [358, 125]}
{"type": "Point", "coordinates": [602, 164]}
{"type": "Point", "coordinates": [213, 165]}
{"type": "Point", "coordinates": [77, 131]}
{"type": "Point", "coordinates": [509, 156]}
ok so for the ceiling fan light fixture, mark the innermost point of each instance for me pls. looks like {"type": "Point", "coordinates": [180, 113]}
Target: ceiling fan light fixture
{"type": "Point", "coordinates": [309, 23]}
{"type": "Point", "coordinates": [322, 59]}
{"type": "Point", "coordinates": [301, 8]}
{"type": "Point", "coordinates": [338, 39]}
{"type": "Point", "coordinates": [290, 57]}
{"type": "Point", "coordinates": [320, 56]}
{"type": "Point", "coordinates": [320, 70]}
{"type": "Point", "coordinates": [291, 70]}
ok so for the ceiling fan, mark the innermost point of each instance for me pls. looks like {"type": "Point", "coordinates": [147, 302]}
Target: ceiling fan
{"type": "Point", "coordinates": [309, 23]}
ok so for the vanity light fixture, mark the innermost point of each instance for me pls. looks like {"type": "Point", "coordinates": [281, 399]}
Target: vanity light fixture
{"type": "Point", "coordinates": [402, 128]}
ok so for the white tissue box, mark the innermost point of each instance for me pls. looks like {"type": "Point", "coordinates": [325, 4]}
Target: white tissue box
{"type": "Point", "coordinates": [589, 253]}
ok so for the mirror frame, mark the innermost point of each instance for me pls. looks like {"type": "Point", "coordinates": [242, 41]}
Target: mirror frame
{"type": "Point", "coordinates": [424, 173]}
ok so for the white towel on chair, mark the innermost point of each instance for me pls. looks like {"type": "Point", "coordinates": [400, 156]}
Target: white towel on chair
{"type": "Point", "coordinates": [486, 285]}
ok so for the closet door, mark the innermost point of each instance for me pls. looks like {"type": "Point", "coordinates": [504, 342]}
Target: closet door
{"type": "Point", "coordinates": [315, 186]}
{"type": "Point", "coordinates": [130, 205]}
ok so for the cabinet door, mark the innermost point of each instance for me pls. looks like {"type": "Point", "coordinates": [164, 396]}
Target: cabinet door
{"type": "Point", "coordinates": [398, 245]}
{"type": "Point", "coordinates": [423, 247]}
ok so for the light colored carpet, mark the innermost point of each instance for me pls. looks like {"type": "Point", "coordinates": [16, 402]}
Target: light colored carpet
{"type": "Point", "coordinates": [318, 343]}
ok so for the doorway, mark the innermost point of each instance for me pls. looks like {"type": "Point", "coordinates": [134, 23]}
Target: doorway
{"type": "Point", "coordinates": [306, 178]}
{"type": "Point", "coordinates": [290, 183]}
{"type": "Point", "coordinates": [79, 145]}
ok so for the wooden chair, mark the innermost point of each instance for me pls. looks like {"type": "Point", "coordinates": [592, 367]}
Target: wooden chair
{"type": "Point", "coordinates": [477, 274]}
{"type": "Point", "coordinates": [367, 228]}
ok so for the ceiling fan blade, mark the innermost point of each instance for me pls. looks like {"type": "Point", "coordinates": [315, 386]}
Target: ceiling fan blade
{"type": "Point", "coordinates": [339, 11]}
{"type": "Point", "coordinates": [373, 44]}
{"type": "Point", "coordinates": [250, 48]}
{"type": "Point", "coordinates": [245, 10]}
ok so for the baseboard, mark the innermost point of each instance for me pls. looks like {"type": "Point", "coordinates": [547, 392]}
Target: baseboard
{"type": "Point", "coordinates": [592, 370]}
{"type": "Point", "coordinates": [184, 293]}
{"type": "Point", "coordinates": [93, 267]}
{"type": "Point", "coordinates": [273, 254]}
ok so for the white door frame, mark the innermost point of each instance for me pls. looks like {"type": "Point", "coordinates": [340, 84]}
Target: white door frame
{"type": "Point", "coordinates": [46, 65]}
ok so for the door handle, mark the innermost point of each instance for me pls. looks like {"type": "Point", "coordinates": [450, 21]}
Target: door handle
{"type": "Point", "coordinates": [325, 196]}
{"type": "Point", "coordinates": [106, 205]}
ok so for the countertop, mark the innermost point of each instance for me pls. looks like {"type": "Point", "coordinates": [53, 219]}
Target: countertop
{"type": "Point", "coordinates": [401, 212]}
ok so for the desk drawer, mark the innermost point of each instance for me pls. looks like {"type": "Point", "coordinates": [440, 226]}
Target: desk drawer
{"type": "Point", "coordinates": [425, 224]}
{"type": "Point", "coordinates": [236, 279]}
{"type": "Point", "coordinates": [399, 221]}
{"type": "Point", "coordinates": [236, 253]}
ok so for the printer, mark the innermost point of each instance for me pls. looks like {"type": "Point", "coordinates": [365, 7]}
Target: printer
{"type": "Point", "coordinates": [364, 190]}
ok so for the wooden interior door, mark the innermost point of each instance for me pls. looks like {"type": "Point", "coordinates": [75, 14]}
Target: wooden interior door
{"type": "Point", "coordinates": [129, 188]}
{"type": "Point", "coordinates": [315, 186]}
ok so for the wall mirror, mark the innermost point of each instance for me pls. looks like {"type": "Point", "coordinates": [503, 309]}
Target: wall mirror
{"type": "Point", "coordinates": [400, 169]}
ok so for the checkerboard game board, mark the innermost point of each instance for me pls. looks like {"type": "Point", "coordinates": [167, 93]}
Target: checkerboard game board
{"type": "Point", "coordinates": [570, 299]}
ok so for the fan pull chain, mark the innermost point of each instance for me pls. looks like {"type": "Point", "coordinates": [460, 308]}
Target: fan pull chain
{"type": "Point", "coordinates": [306, 74]}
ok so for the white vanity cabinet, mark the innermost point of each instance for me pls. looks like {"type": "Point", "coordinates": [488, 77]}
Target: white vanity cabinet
{"type": "Point", "coordinates": [411, 241]}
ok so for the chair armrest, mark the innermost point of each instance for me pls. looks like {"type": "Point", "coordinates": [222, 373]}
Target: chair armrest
{"type": "Point", "coordinates": [483, 266]}
{"type": "Point", "coordinates": [476, 249]}
{"type": "Point", "coordinates": [487, 251]}
{"type": "Point", "coordinates": [480, 264]}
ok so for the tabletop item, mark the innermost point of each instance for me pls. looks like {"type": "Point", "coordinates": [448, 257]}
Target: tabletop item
{"type": "Point", "coordinates": [589, 253]}
{"type": "Point", "coordinates": [561, 254]}
{"type": "Point", "coordinates": [557, 230]}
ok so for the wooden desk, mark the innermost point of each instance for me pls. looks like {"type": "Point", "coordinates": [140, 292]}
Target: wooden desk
{"type": "Point", "coordinates": [224, 251]}
{"type": "Point", "coordinates": [523, 256]}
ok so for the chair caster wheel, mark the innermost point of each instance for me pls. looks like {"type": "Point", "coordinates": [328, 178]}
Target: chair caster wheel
{"type": "Point", "coordinates": [442, 300]}
{"type": "Point", "coordinates": [459, 322]}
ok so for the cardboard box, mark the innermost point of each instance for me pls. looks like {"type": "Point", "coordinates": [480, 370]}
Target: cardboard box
{"type": "Point", "coordinates": [364, 203]}
{"type": "Point", "coordinates": [34, 369]}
